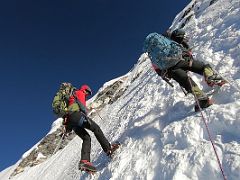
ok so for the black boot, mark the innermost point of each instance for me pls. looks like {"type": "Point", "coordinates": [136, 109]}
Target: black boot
{"type": "Point", "coordinates": [212, 78]}
{"type": "Point", "coordinates": [204, 102]}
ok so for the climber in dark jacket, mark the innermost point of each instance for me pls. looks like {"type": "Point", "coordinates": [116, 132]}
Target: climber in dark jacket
{"type": "Point", "coordinates": [185, 62]}
{"type": "Point", "coordinates": [191, 64]}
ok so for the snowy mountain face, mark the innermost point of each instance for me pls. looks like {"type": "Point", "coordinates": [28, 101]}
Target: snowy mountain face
{"type": "Point", "coordinates": [161, 136]}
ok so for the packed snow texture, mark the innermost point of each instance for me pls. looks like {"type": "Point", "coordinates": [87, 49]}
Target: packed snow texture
{"type": "Point", "coordinates": [161, 136]}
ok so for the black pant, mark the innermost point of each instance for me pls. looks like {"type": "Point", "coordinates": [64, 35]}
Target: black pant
{"type": "Point", "coordinates": [179, 73]}
{"type": "Point", "coordinates": [83, 134]}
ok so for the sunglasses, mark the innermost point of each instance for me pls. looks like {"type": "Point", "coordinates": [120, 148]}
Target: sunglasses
{"type": "Point", "coordinates": [88, 92]}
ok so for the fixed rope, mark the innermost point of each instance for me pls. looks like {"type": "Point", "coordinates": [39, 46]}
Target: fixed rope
{"type": "Point", "coordinates": [208, 131]}
{"type": "Point", "coordinates": [59, 144]}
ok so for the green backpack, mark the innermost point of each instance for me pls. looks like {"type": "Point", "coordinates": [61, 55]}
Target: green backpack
{"type": "Point", "coordinates": [60, 100]}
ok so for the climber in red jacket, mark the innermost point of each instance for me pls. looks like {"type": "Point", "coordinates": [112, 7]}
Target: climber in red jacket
{"type": "Point", "coordinates": [78, 121]}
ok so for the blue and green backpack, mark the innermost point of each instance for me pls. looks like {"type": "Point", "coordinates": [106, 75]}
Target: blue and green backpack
{"type": "Point", "coordinates": [162, 51]}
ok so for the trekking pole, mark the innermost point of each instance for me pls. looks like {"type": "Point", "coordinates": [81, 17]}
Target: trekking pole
{"type": "Point", "coordinates": [184, 91]}
{"type": "Point", "coordinates": [42, 172]}
{"type": "Point", "coordinates": [59, 144]}
{"type": "Point", "coordinates": [167, 81]}
{"type": "Point", "coordinates": [99, 116]}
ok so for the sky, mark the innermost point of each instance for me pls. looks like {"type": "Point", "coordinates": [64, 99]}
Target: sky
{"type": "Point", "coordinates": [44, 43]}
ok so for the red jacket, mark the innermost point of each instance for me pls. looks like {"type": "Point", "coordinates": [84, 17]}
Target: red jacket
{"type": "Point", "coordinates": [81, 97]}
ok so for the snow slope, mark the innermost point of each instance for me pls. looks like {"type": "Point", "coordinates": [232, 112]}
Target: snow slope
{"type": "Point", "coordinates": [162, 138]}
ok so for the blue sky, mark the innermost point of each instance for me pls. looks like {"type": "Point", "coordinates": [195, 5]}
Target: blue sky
{"type": "Point", "coordinates": [44, 43]}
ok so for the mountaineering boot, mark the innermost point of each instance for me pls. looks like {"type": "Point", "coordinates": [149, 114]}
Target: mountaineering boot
{"type": "Point", "coordinates": [202, 98]}
{"type": "Point", "coordinates": [215, 80]}
{"type": "Point", "coordinates": [204, 102]}
{"type": "Point", "coordinates": [114, 147]}
{"type": "Point", "coordinates": [85, 165]}
{"type": "Point", "coordinates": [212, 78]}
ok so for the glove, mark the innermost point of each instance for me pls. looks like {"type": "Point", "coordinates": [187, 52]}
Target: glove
{"type": "Point", "coordinates": [65, 120]}
{"type": "Point", "coordinates": [164, 73]}
{"type": "Point", "coordinates": [66, 131]}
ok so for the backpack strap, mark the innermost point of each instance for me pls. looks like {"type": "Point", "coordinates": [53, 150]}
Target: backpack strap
{"type": "Point", "coordinates": [80, 105]}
